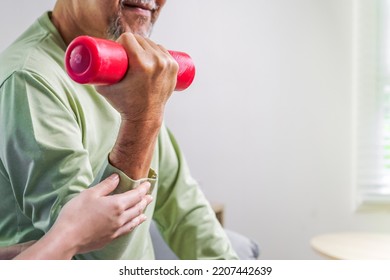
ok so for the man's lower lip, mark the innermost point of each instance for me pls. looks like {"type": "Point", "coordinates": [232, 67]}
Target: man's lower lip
{"type": "Point", "coordinates": [138, 11]}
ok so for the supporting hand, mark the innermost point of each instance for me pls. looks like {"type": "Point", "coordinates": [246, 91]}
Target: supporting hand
{"type": "Point", "coordinates": [90, 221]}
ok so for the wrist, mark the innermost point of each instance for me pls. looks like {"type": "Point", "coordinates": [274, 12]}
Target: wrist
{"type": "Point", "coordinates": [54, 245]}
{"type": "Point", "coordinates": [145, 119]}
{"type": "Point", "coordinates": [62, 242]}
{"type": "Point", "coordinates": [133, 150]}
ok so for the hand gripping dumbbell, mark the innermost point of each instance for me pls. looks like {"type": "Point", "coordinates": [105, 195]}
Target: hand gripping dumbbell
{"type": "Point", "coordinates": [90, 60]}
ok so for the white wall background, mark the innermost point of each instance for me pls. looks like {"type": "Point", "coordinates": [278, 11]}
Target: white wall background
{"type": "Point", "coordinates": [267, 125]}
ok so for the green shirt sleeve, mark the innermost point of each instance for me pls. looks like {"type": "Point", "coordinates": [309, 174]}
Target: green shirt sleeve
{"type": "Point", "coordinates": [183, 215]}
{"type": "Point", "coordinates": [40, 151]}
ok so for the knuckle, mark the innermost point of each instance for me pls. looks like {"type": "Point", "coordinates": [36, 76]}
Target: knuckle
{"type": "Point", "coordinates": [140, 194]}
{"type": "Point", "coordinates": [148, 66]}
{"type": "Point", "coordinates": [135, 222]}
{"type": "Point", "coordinates": [119, 223]}
{"type": "Point", "coordinates": [131, 228]}
{"type": "Point", "coordinates": [163, 62]}
{"type": "Point", "coordinates": [125, 37]}
{"type": "Point", "coordinates": [118, 208]}
{"type": "Point", "coordinates": [116, 226]}
{"type": "Point", "coordinates": [141, 207]}
{"type": "Point", "coordinates": [115, 235]}
{"type": "Point", "coordinates": [156, 64]}
{"type": "Point", "coordinates": [174, 66]}
{"type": "Point", "coordinates": [140, 210]}
{"type": "Point", "coordinates": [144, 203]}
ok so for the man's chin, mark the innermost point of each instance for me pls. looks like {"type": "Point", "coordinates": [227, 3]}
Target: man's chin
{"type": "Point", "coordinates": [117, 27]}
{"type": "Point", "coordinates": [142, 31]}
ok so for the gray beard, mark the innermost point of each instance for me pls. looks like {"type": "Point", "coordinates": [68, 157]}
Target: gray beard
{"type": "Point", "coordinates": [115, 27]}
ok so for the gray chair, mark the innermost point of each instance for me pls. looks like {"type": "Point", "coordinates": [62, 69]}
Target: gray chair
{"type": "Point", "coordinates": [246, 248]}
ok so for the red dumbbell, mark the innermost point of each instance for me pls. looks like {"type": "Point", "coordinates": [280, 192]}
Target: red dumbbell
{"type": "Point", "coordinates": [90, 60]}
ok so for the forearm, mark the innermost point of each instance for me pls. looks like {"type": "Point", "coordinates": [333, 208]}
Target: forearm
{"type": "Point", "coordinates": [9, 252]}
{"type": "Point", "coordinates": [140, 99]}
{"type": "Point", "coordinates": [50, 247]}
{"type": "Point", "coordinates": [133, 150]}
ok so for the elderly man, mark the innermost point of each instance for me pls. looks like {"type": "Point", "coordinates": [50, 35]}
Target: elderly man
{"type": "Point", "coordinates": [59, 138]}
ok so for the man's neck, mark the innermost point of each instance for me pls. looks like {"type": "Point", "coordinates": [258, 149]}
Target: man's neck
{"type": "Point", "coordinates": [66, 22]}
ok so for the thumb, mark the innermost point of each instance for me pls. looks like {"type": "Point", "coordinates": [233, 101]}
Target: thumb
{"type": "Point", "coordinates": [107, 186]}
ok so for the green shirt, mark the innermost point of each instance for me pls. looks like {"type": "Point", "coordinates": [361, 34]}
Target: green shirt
{"type": "Point", "coordinates": [55, 137]}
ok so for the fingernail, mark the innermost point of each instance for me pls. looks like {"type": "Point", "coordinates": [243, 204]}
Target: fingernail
{"type": "Point", "coordinates": [114, 177]}
{"type": "Point", "coordinates": [143, 218]}
{"type": "Point", "coordinates": [145, 187]}
{"type": "Point", "coordinates": [149, 199]}
{"type": "Point", "coordinates": [143, 190]}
